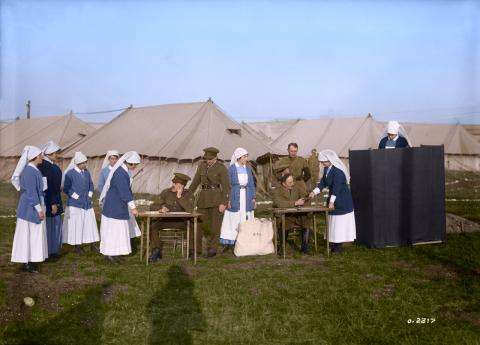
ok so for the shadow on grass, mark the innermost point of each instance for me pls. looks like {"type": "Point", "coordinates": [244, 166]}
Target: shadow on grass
{"type": "Point", "coordinates": [174, 311]}
{"type": "Point", "coordinates": [81, 324]}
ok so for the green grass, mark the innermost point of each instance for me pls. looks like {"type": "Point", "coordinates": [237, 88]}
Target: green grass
{"type": "Point", "coordinates": [364, 296]}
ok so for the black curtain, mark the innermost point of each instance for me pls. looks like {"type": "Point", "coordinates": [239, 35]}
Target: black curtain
{"type": "Point", "coordinates": [398, 195]}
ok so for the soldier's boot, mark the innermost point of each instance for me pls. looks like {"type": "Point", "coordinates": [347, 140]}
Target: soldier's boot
{"type": "Point", "coordinates": [156, 255]}
{"type": "Point", "coordinates": [305, 237]}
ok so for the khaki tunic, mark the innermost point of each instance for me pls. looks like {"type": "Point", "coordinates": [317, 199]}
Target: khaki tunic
{"type": "Point", "coordinates": [214, 186]}
{"type": "Point", "coordinates": [298, 167]}
{"type": "Point", "coordinates": [314, 166]}
{"type": "Point", "coordinates": [285, 198]}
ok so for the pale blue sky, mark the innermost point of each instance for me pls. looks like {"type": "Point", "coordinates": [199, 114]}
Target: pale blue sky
{"type": "Point", "coordinates": [408, 60]}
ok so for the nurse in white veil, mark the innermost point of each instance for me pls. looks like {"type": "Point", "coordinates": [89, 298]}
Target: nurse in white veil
{"type": "Point", "coordinates": [119, 209]}
{"type": "Point", "coordinates": [341, 222]}
{"type": "Point", "coordinates": [30, 239]}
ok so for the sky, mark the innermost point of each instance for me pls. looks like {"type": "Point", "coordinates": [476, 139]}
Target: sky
{"type": "Point", "coordinates": [258, 60]}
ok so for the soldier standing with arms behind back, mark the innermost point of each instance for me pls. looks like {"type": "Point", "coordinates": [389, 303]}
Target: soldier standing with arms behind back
{"type": "Point", "coordinates": [212, 178]}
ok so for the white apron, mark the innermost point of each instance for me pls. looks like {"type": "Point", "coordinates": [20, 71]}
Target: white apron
{"type": "Point", "coordinates": [341, 228]}
{"type": "Point", "coordinates": [29, 242]}
{"type": "Point", "coordinates": [231, 220]}
{"type": "Point", "coordinates": [115, 236]}
{"type": "Point", "coordinates": [79, 226]}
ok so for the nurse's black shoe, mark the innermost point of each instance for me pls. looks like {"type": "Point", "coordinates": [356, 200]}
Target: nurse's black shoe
{"type": "Point", "coordinates": [110, 259]}
{"type": "Point", "coordinates": [94, 248]}
{"type": "Point", "coordinates": [32, 267]}
{"type": "Point", "coordinates": [211, 253]}
{"type": "Point", "coordinates": [78, 250]}
{"type": "Point", "coordinates": [25, 267]}
{"type": "Point", "coordinates": [156, 255]}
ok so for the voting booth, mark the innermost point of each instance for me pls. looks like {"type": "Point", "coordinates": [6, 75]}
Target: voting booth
{"type": "Point", "coordinates": [398, 196]}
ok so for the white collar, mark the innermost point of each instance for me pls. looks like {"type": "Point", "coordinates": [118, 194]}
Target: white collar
{"type": "Point", "coordinates": [109, 167]}
{"type": "Point", "coordinates": [77, 169]}
{"type": "Point", "coordinates": [240, 166]}
{"type": "Point", "coordinates": [47, 159]}
{"type": "Point", "coordinates": [33, 165]}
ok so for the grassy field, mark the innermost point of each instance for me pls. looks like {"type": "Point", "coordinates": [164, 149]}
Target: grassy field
{"type": "Point", "coordinates": [411, 295]}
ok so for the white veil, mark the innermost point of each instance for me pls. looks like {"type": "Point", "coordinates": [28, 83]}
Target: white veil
{"type": "Point", "coordinates": [396, 128]}
{"type": "Point", "coordinates": [332, 157]}
{"type": "Point", "coordinates": [130, 157]}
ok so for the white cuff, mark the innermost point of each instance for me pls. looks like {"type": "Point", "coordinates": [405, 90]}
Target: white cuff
{"type": "Point", "coordinates": [38, 208]}
{"type": "Point", "coordinates": [45, 183]}
{"type": "Point", "coordinates": [332, 198]}
{"type": "Point", "coordinates": [90, 194]}
{"type": "Point", "coordinates": [316, 191]}
{"type": "Point", "coordinates": [132, 205]}
{"type": "Point", "coordinates": [75, 196]}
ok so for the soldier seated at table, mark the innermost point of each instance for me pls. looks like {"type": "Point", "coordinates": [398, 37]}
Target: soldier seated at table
{"type": "Point", "coordinates": [289, 195]}
{"type": "Point", "coordinates": [280, 169]}
{"type": "Point", "coordinates": [173, 199]}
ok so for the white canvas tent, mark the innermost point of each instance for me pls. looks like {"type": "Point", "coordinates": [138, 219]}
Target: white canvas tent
{"type": "Point", "coordinates": [65, 130]}
{"type": "Point", "coordinates": [462, 150]}
{"type": "Point", "coordinates": [170, 139]}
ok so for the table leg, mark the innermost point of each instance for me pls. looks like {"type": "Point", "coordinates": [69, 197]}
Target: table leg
{"type": "Point", "coordinates": [195, 240]}
{"type": "Point", "coordinates": [188, 238]}
{"type": "Point", "coordinates": [141, 239]}
{"type": "Point", "coordinates": [275, 231]}
{"type": "Point", "coordinates": [147, 254]}
{"type": "Point", "coordinates": [314, 232]}
{"type": "Point", "coordinates": [283, 236]}
{"type": "Point", "coordinates": [326, 232]}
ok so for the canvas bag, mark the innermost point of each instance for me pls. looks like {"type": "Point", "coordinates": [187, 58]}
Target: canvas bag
{"type": "Point", "coordinates": [254, 238]}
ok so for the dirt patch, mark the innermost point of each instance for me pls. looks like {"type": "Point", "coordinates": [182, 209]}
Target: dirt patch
{"type": "Point", "coordinates": [456, 224]}
{"type": "Point", "coordinates": [372, 277]}
{"type": "Point", "coordinates": [111, 291]}
{"type": "Point", "coordinates": [403, 265]}
{"type": "Point", "coordinates": [44, 291]}
{"type": "Point", "coordinates": [439, 272]}
{"type": "Point", "coordinates": [464, 316]}
{"type": "Point", "coordinates": [383, 292]}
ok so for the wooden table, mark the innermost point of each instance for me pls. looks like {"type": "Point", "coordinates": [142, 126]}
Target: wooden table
{"type": "Point", "coordinates": [281, 212]}
{"type": "Point", "coordinates": [188, 216]}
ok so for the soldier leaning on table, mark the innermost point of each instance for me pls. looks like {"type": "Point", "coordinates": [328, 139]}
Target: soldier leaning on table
{"type": "Point", "coordinates": [290, 194]}
{"type": "Point", "coordinates": [173, 199]}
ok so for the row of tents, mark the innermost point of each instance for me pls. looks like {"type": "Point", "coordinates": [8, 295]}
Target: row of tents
{"type": "Point", "coordinates": [171, 138]}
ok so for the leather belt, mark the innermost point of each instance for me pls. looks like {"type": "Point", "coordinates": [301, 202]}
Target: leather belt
{"type": "Point", "coordinates": [208, 186]}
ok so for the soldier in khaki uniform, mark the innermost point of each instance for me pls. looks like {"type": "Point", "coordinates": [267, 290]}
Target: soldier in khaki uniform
{"type": "Point", "coordinates": [289, 194]}
{"type": "Point", "coordinates": [298, 166]}
{"type": "Point", "coordinates": [280, 169]}
{"type": "Point", "coordinates": [173, 199]}
{"type": "Point", "coordinates": [212, 179]}
{"type": "Point", "coordinates": [314, 166]}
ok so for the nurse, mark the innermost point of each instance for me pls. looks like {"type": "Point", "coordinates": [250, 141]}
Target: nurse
{"type": "Point", "coordinates": [341, 218]}
{"type": "Point", "coordinates": [395, 137]}
{"type": "Point", "coordinates": [30, 239]}
{"type": "Point", "coordinates": [53, 198]}
{"type": "Point", "coordinates": [108, 163]}
{"type": "Point", "coordinates": [242, 198]}
{"type": "Point", "coordinates": [119, 209]}
{"type": "Point", "coordinates": [79, 223]}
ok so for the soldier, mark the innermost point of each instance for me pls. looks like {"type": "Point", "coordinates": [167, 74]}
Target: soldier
{"type": "Point", "coordinates": [280, 169]}
{"type": "Point", "coordinates": [298, 166]}
{"type": "Point", "coordinates": [289, 194]}
{"type": "Point", "coordinates": [173, 199]}
{"type": "Point", "coordinates": [212, 178]}
{"type": "Point", "coordinates": [314, 166]}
